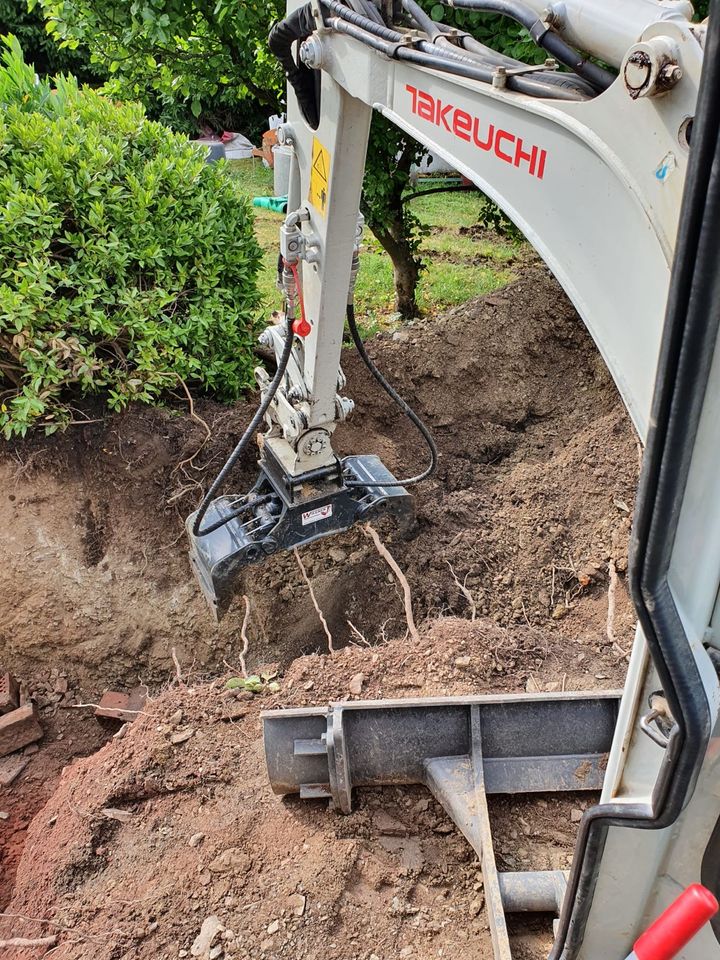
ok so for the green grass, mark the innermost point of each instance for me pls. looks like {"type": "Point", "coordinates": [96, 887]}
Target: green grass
{"type": "Point", "coordinates": [458, 266]}
{"type": "Point", "coordinates": [257, 181]}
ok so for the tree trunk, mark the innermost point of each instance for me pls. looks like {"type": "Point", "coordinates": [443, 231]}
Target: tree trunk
{"type": "Point", "coordinates": [389, 224]}
{"type": "Point", "coordinates": [406, 267]}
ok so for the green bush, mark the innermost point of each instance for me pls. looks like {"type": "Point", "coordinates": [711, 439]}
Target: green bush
{"type": "Point", "coordinates": [127, 264]}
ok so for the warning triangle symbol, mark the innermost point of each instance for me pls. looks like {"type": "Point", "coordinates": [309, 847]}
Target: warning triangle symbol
{"type": "Point", "coordinates": [319, 165]}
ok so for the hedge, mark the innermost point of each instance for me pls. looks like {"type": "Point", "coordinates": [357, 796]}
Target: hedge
{"type": "Point", "coordinates": [127, 264]}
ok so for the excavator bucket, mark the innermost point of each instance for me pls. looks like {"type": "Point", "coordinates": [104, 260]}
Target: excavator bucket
{"type": "Point", "coordinates": [276, 515]}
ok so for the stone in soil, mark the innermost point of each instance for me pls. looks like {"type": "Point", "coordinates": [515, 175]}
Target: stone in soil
{"type": "Point", "coordinates": [10, 769]}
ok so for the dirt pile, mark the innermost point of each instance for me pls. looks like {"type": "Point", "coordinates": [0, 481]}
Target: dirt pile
{"type": "Point", "coordinates": [68, 733]}
{"type": "Point", "coordinates": [174, 823]}
{"type": "Point", "coordinates": [538, 465]}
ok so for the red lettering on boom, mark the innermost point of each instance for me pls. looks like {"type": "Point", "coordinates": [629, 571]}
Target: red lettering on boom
{"type": "Point", "coordinates": [483, 144]}
{"type": "Point", "coordinates": [442, 115]}
{"type": "Point", "coordinates": [541, 168]}
{"type": "Point", "coordinates": [522, 156]}
{"type": "Point", "coordinates": [502, 136]}
{"type": "Point", "coordinates": [462, 125]}
{"type": "Point", "coordinates": [426, 106]}
{"type": "Point", "coordinates": [504, 145]}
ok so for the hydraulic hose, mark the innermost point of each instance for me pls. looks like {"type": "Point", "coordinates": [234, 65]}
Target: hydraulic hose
{"type": "Point", "coordinates": [297, 26]}
{"type": "Point", "coordinates": [461, 67]}
{"type": "Point", "coordinates": [475, 48]}
{"type": "Point", "coordinates": [241, 446]}
{"type": "Point", "coordinates": [424, 21]}
{"type": "Point", "coordinates": [404, 406]}
{"type": "Point", "coordinates": [485, 53]}
{"type": "Point", "coordinates": [441, 55]}
{"type": "Point", "coordinates": [368, 8]}
{"type": "Point", "coordinates": [550, 86]}
{"type": "Point", "coordinates": [543, 36]}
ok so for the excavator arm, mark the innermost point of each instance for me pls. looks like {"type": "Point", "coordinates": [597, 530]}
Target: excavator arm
{"type": "Point", "coordinates": [592, 162]}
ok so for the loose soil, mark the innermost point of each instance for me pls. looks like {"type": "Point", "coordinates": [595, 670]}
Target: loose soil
{"type": "Point", "coordinates": [531, 503]}
{"type": "Point", "coordinates": [202, 835]}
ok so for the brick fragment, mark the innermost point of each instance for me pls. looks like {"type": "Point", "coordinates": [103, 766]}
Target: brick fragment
{"type": "Point", "coordinates": [11, 768]}
{"type": "Point", "coordinates": [9, 693]}
{"type": "Point", "coordinates": [19, 728]}
{"type": "Point", "coordinates": [120, 706]}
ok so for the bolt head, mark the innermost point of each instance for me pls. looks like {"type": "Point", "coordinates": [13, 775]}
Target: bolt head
{"type": "Point", "coordinates": [311, 54]}
{"type": "Point", "coordinates": [671, 74]}
{"type": "Point", "coordinates": [285, 134]}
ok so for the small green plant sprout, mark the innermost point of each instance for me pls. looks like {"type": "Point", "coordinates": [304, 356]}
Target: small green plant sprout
{"type": "Point", "coordinates": [253, 684]}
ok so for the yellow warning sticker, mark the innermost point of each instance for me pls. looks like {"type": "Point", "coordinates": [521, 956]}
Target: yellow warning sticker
{"type": "Point", "coordinates": [319, 177]}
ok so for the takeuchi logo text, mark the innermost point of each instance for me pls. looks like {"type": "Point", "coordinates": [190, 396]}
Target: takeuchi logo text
{"type": "Point", "coordinates": [504, 145]}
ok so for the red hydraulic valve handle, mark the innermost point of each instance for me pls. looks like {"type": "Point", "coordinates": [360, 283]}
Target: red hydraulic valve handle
{"type": "Point", "coordinates": [676, 927]}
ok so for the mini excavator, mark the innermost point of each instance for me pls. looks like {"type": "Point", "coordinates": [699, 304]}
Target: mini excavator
{"type": "Point", "coordinates": [607, 156]}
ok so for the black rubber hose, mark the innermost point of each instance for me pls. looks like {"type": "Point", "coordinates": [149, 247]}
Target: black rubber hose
{"type": "Point", "coordinates": [298, 26]}
{"type": "Point", "coordinates": [378, 29]}
{"type": "Point", "coordinates": [404, 406]}
{"type": "Point", "coordinates": [597, 76]}
{"type": "Point", "coordinates": [543, 36]}
{"type": "Point", "coordinates": [479, 51]}
{"type": "Point", "coordinates": [231, 461]}
{"type": "Point", "coordinates": [470, 44]}
{"type": "Point", "coordinates": [244, 508]}
{"type": "Point", "coordinates": [550, 86]}
{"type": "Point", "coordinates": [301, 24]}
{"type": "Point", "coordinates": [424, 21]}
{"type": "Point", "coordinates": [444, 54]}
{"type": "Point", "coordinates": [370, 10]}
{"type": "Point", "coordinates": [453, 189]}
{"type": "Point", "coordinates": [569, 80]}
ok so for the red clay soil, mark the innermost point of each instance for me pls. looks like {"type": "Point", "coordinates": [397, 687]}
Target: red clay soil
{"type": "Point", "coordinates": [201, 834]}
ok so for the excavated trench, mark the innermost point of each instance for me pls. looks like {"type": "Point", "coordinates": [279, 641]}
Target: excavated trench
{"type": "Point", "coordinates": [508, 565]}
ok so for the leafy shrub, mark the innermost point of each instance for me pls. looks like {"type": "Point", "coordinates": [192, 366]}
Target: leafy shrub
{"type": "Point", "coordinates": [492, 218]}
{"type": "Point", "coordinates": [183, 60]}
{"type": "Point", "coordinates": [40, 49]}
{"type": "Point", "coordinates": [126, 262]}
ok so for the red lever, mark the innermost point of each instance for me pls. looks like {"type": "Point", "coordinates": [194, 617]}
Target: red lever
{"type": "Point", "coordinates": [301, 327]}
{"type": "Point", "coordinates": [677, 925]}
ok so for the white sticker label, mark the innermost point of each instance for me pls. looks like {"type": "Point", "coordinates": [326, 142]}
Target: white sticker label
{"type": "Point", "coordinates": [319, 513]}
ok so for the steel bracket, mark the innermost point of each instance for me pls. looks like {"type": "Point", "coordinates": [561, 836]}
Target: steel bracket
{"type": "Point", "coordinates": [462, 750]}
